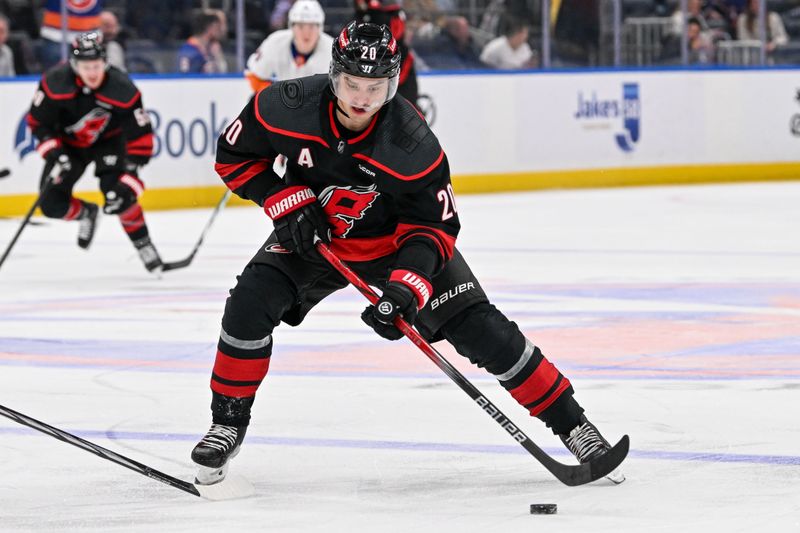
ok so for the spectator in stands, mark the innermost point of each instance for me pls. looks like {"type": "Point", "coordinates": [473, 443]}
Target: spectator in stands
{"type": "Point", "coordinates": [510, 51]}
{"type": "Point", "coordinates": [195, 55]}
{"type": "Point", "coordinates": [81, 17]}
{"type": "Point", "coordinates": [215, 48]}
{"type": "Point", "coordinates": [747, 27]}
{"type": "Point", "coordinates": [701, 48]}
{"type": "Point", "coordinates": [694, 9]}
{"type": "Point", "coordinates": [451, 48]}
{"type": "Point", "coordinates": [6, 55]}
{"type": "Point", "coordinates": [109, 27]}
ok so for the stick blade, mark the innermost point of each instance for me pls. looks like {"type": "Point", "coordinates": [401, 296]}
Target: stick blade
{"type": "Point", "coordinates": [175, 265]}
{"type": "Point", "coordinates": [233, 487]}
{"type": "Point", "coordinates": [595, 469]}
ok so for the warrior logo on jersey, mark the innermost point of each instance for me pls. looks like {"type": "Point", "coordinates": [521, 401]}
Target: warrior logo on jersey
{"type": "Point", "coordinates": [344, 205]}
{"type": "Point", "coordinates": [88, 129]}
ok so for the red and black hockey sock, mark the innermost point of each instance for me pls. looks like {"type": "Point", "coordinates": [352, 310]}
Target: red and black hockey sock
{"type": "Point", "coordinates": [239, 368]}
{"type": "Point", "coordinates": [537, 385]}
{"type": "Point", "coordinates": [76, 210]}
{"type": "Point", "coordinates": [133, 223]}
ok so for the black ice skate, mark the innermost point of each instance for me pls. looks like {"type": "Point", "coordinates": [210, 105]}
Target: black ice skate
{"type": "Point", "coordinates": [87, 225]}
{"type": "Point", "coordinates": [586, 443]}
{"type": "Point", "coordinates": [214, 452]}
{"type": "Point", "coordinates": [148, 254]}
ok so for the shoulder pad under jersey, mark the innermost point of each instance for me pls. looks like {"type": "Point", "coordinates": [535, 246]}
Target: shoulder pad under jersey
{"type": "Point", "coordinates": [118, 90]}
{"type": "Point", "coordinates": [405, 147]}
{"type": "Point", "coordinates": [58, 83]}
{"type": "Point", "coordinates": [291, 107]}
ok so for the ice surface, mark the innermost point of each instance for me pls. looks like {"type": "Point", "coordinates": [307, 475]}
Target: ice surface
{"type": "Point", "coordinates": [675, 312]}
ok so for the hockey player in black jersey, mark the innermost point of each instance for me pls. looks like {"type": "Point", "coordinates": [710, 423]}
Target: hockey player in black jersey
{"type": "Point", "coordinates": [89, 111]}
{"type": "Point", "coordinates": [366, 174]}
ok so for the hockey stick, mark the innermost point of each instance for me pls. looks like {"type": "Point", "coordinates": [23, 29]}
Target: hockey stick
{"type": "Point", "coordinates": [571, 475]}
{"type": "Point", "coordinates": [49, 181]}
{"type": "Point", "coordinates": [236, 487]}
{"type": "Point", "coordinates": [183, 263]}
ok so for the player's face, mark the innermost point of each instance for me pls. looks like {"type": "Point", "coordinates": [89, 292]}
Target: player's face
{"type": "Point", "coordinates": [305, 36]}
{"type": "Point", "coordinates": [362, 97]}
{"type": "Point", "coordinates": [91, 72]}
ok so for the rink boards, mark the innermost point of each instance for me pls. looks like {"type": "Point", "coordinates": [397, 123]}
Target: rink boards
{"type": "Point", "coordinates": [514, 131]}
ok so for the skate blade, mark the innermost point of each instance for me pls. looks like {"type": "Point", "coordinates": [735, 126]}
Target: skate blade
{"type": "Point", "coordinates": [616, 477]}
{"type": "Point", "coordinates": [231, 487]}
{"type": "Point", "coordinates": [210, 476]}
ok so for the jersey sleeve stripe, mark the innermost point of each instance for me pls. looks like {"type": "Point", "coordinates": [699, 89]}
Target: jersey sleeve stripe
{"type": "Point", "coordinates": [396, 174]}
{"type": "Point", "coordinates": [141, 146]}
{"type": "Point", "coordinates": [256, 168]}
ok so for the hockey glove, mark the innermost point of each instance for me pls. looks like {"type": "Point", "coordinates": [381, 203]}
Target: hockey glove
{"type": "Point", "coordinates": [52, 152]}
{"type": "Point", "coordinates": [297, 217]}
{"type": "Point", "coordinates": [123, 194]}
{"type": "Point", "coordinates": [405, 294]}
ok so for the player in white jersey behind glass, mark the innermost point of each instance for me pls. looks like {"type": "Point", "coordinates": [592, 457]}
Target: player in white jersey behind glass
{"type": "Point", "coordinates": [302, 50]}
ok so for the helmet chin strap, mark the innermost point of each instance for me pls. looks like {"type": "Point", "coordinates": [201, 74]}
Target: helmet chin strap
{"type": "Point", "coordinates": [340, 110]}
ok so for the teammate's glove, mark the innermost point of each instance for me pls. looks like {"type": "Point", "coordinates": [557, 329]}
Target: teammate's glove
{"type": "Point", "coordinates": [52, 151]}
{"type": "Point", "coordinates": [123, 194]}
{"type": "Point", "coordinates": [297, 217]}
{"type": "Point", "coordinates": [405, 294]}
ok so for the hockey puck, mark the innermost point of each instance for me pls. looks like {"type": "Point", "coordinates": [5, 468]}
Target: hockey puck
{"type": "Point", "coordinates": [4, 172]}
{"type": "Point", "coordinates": [544, 508]}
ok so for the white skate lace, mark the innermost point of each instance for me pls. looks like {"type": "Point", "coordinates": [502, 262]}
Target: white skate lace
{"type": "Point", "coordinates": [148, 254]}
{"type": "Point", "coordinates": [220, 437]}
{"type": "Point", "coordinates": [85, 228]}
{"type": "Point", "coordinates": [584, 442]}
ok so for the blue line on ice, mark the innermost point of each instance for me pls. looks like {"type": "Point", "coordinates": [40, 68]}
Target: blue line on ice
{"type": "Point", "coordinates": [708, 457]}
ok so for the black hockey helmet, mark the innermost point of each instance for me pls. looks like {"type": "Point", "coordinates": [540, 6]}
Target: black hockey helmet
{"type": "Point", "coordinates": [366, 50]}
{"type": "Point", "coordinates": [87, 46]}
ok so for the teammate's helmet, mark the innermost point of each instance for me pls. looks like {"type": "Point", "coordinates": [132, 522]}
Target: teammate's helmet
{"type": "Point", "coordinates": [306, 11]}
{"type": "Point", "coordinates": [366, 50]}
{"type": "Point", "coordinates": [87, 46]}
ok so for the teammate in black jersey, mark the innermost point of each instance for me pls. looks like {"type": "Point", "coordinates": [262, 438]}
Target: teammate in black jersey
{"type": "Point", "coordinates": [365, 173]}
{"type": "Point", "coordinates": [89, 111]}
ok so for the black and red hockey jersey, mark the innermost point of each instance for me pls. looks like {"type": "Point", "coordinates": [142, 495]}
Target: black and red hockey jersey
{"type": "Point", "coordinates": [380, 187]}
{"type": "Point", "coordinates": [65, 109]}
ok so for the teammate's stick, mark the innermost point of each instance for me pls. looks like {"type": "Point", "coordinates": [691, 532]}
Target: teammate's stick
{"type": "Point", "coordinates": [49, 180]}
{"type": "Point", "coordinates": [571, 475]}
{"type": "Point", "coordinates": [174, 265]}
{"type": "Point", "coordinates": [230, 488]}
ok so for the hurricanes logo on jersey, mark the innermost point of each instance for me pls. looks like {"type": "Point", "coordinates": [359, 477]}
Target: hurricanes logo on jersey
{"type": "Point", "coordinates": [345, 205]}
{"type": "Point", "coordinates": [88, 129]}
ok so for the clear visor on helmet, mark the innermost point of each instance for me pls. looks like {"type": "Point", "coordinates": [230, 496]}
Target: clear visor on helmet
{"type": "Point", "coordinates": [364, 93]}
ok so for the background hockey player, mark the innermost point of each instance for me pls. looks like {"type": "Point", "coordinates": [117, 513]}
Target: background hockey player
{"type": "Point", "coordinates": [366, 174]}
{"type": "Point", "coordinates": [302, 50]}
{"type": "Point", "coordinates": [87, 111]}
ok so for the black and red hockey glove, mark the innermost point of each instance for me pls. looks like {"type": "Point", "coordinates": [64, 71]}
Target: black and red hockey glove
{"type": "Point", "coordinates": [52, 151]}
{"type": "Point", "coordinates": [405, 294]}
{"type": "Point", "coordinates": [297, 216]}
